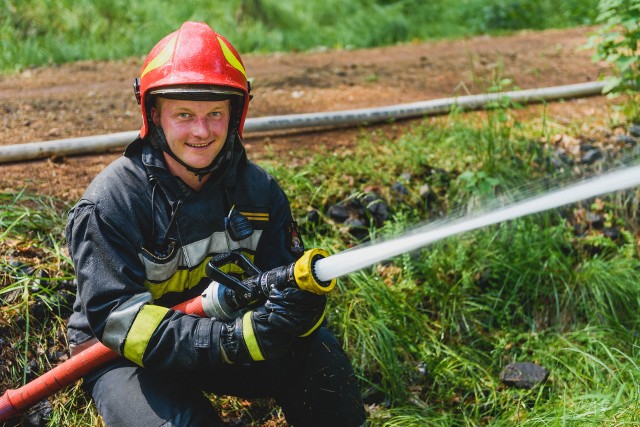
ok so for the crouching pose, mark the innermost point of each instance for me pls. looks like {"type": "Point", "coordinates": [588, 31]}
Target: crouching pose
{"type": "Point", "coordinates": [143, 233]}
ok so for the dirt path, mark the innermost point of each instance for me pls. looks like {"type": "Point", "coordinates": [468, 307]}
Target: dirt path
{"type": "Point", "coordinates": [90, 98]}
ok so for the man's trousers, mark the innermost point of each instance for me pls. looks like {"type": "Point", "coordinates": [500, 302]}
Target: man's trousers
{"type": "Point", "coordinates": [314, 385]}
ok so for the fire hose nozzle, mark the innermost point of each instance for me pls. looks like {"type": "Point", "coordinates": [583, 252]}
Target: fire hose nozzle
{"type": "Point", "coordinates": [305, 276]}
{"type": "Point", "coordinates": [227, 296]}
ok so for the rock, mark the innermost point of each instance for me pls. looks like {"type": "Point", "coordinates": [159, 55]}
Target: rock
{"type": "Point", "coordinates": [556, 162]}
{"type": "Point", "coordinates": [591, 156]}
{"type": "Point", "coordinates": [626, 140]}
{"type": "Point", "coordinates": [523, 375]}
{"type": "Point", "coordinates": [338, 213]}
{"type": "Point", "coordinates": [595, 220]}
{"type": "Point", "coordinates": [425, 191]}
{"type": "Point", "coordinates": [611, 232]}
{"type": "Point", "coordinates": [310, 220]}
{"type": "Point", "coordinates": [313, 217]}
{"type": "Point", "coordinates": [564, 157]}
{"type": "Point", "coordinates": [377, 207]}
{"type": "Point", "coordinates": [579, 230]}
{"type": "Point", "coordinates": [380, 212]}
{"type": "Point", "coordinates": [634, 130]}
{"type": "Point", "coordinates": [360, 210]}
{"type": "Point", "coordinates": [400, 189]}
{"type": "Point", "coordinates": [39, 415]}
{"type": "Point", "coordinates": [357, 228]}
{"type": "Point", "coordinates": [586, 146]}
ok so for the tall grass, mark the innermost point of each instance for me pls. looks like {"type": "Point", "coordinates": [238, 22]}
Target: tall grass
{"type": "Point", "coordinates": [42, 32]}
{"type": "Point", "coordinates": [36, 294]}
{"type": "Point", "coordinates": [428, 332]}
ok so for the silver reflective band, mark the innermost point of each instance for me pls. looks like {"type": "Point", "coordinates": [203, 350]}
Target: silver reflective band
{"type": "Point", "coordinates": [119, 321]}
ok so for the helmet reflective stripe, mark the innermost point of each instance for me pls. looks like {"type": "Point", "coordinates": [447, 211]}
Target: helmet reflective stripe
{"type": "Point", "coordinates": [231, 58]}
{"type": "Point", "coordinates": [163, 57]}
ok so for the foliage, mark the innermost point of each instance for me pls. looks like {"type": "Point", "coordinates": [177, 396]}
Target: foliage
{"type": "Point", "coordinates": [41, 32]}
{"type": "Point", "coordinates": [537, 14]}
{"type": "Point", "coordinates": [428, 332]}
{"type": "Point", "coordinates": [36, 294]}
{"type": "Point", "coordinates": [616, 42]}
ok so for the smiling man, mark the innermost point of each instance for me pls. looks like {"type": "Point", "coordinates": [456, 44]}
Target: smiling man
{"type": "Point", "coordinates": [195, 132]}
{"type": "Point", "coordinates": [141, 237]}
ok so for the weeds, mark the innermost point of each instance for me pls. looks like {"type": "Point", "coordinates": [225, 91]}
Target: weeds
{"type": "Point", "coordinates": [542, 288]}
{"type": "Point", "coordinates": [428, 332]}
{"type": "Point", "coordinates": [42, 32]}
{"type": "Point", "coordinates": [36, 292]}
{"type": "Point", "coordinates": [616, 41]}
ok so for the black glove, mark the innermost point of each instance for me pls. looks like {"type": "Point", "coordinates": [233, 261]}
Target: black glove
{"type": "Point", "coordinates": [295, 311]}
{"type": "Point", "coordinates": [268, 331]}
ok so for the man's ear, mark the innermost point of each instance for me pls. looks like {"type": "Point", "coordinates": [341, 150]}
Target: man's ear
{"type": "Point", "coordinates": [155, 115]}
{"type": "Point", "coordinates": [154, 110]}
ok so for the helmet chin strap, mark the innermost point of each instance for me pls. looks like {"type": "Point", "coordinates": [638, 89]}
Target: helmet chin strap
{"type": "Point", "coordinates": [159, 140]}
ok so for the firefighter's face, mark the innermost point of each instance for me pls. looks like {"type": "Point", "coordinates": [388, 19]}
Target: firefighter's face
{"type": "Point", "coordinates": [195, 130]}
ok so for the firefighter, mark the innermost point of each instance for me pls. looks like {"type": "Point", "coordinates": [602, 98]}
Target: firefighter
{"type": "Point", "coordinates": [140, 239]}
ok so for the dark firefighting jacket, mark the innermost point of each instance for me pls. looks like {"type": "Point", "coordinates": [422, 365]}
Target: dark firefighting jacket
{"type": "Point", "coordinates": [140, 240]}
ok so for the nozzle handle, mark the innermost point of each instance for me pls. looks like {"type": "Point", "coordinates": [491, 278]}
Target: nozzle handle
{"type": "Point", "coordinates": [213, 271]}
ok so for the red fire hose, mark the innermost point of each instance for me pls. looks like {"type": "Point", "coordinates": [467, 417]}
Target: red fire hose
{"type": "Point", "coordinates": [14, 402]}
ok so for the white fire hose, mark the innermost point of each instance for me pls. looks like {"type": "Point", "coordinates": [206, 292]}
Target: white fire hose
{"type": "Point", "coordinates": [104, 143]}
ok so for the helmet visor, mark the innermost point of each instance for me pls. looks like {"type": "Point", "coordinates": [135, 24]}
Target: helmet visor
{"type": "Point", "coordinates": [196, 92]}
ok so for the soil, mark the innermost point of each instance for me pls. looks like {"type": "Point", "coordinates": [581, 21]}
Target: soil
{"type": "Point", "coordinates": [95, 97]}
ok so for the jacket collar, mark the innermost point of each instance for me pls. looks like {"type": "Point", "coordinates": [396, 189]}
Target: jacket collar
{"type": "Point", "coordinates": [153, 160]}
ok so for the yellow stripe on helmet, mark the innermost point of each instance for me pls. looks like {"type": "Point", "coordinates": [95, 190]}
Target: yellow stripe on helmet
{"type": "Point", "coordinates": [231, 58]}
{"type": "Point", "coordinates": [141, 330]}
{"type": "Point", "coordinates": [162, 58]}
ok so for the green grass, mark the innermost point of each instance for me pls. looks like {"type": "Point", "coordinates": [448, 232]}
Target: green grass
{"type": "Point", "coordinates": [431, 331]}
{"type": "Point", "coordinates": [428, 332]}
{"type": "Point", "coordinates": [42, 32]}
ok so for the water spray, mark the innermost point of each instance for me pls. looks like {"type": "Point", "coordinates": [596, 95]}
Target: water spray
{"type": "Point", "coordinates": [358, 258]}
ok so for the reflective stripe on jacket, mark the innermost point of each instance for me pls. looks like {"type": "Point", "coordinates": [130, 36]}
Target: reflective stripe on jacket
{"type": "Point", "coordinates": [140, 240]}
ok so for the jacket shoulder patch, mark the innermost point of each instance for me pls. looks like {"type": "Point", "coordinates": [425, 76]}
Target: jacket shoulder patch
{"type": "Point", "coordinates": [295, 246]}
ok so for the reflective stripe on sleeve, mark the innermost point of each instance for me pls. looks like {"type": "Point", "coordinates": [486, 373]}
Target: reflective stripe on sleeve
{"type": "Point", "coordinates": [318, 323]}
{"type": "Point", "coordinates": [120, 320]}
{"type": "Point", "coordinates": [143, 327]}
{"type": "Point", "coordinates": [249, 336]}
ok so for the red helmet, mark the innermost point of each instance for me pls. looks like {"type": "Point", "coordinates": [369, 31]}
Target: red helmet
{"type": "Point", "coordinates": [193, 62]}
